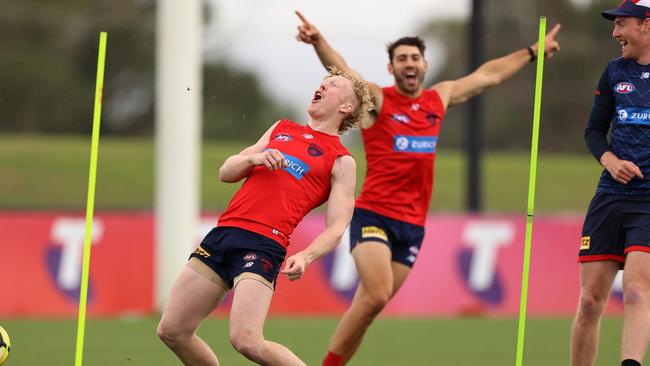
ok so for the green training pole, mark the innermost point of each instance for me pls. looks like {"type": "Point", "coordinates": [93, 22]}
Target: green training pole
{"type": "Point", "coordinates": [530, 211]}
{"type": "Point", "coordinates": [90, 204]}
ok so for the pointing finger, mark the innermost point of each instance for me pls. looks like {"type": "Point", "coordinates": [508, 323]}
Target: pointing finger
{"type": "Point", "coordinates": [302, 17]}
{"type": "Point", "coordinates": [554, 31]}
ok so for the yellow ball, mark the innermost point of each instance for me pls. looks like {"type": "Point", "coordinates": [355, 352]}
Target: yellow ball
{"type": "Point", "coordinates": [5, 345]}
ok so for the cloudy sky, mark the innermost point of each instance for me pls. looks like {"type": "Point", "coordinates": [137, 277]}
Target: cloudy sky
{"type": "Point", "coordinates": [258, 35]}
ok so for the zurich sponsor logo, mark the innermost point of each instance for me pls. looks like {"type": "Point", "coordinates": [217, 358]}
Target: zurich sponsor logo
{"type": "Point", "coordinates": [624, 87]}
{"type": "Point", "coordinates": [283, 137]}
{"type": "Point", "coordinates": [295, 166]}
{"type": "Point", "coordinates": [416, 144]}
{"type": "Point", "coordinates": [633, 116]}
{"type": "Point", "coordinates": [401, 118]}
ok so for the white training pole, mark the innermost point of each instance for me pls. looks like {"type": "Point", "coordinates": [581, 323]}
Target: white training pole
{"type": "Point", "coordinates": [178, 137]}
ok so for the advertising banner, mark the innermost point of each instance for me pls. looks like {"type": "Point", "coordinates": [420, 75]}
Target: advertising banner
{"type": "Point", "coordinates": [468, 265]}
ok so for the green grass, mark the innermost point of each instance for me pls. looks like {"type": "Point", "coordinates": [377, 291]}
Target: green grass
{"type": "Point", "coordinates": [389, 342]}
{"type": "Point", "coordinates": [46, 172]}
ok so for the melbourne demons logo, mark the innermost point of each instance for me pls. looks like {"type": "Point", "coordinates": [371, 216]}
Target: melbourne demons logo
{"type": "Point", "coordinates": [285, 137]}
{"type": "Point", "coordinates": [314, 150]}
{"type": "Point", "coordinates": [433, 118]}
{"type": "Point", "coordinates": [624, 87]}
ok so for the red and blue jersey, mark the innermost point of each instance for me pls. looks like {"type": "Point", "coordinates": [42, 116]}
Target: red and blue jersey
{"type": "Point", "coordinates": [273, 202]}
{"type": "Point", "coordinates": [400, 153]}
{"type": "Point", "coordinates": [623, 101]}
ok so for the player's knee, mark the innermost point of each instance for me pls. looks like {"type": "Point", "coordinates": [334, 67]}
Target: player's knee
{"type": "Point", "coordinates": [591, 307]}
{"type": "Point", "coordinates": [635, 293]}
{"type": "Point", "coordinates": [170, 335]}
{"type": "Point", "coordinates": [376, 301]}
{"type": "Point", "coordinates": [246, 343]}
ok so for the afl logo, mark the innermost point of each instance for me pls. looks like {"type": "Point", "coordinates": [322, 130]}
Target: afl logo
{"type": "Point", "coordinates": [314, 150]}
{"type": "Point", "coordinates": [624, 88]}
{"type": "Point", "coordinates": [283, 137]}
{"type": "Point", "coordinates": [402, 143]}
{"type": "Point", "coordinates": [250, 257]}
{"type": "Point", "coordinates": [401, 118]}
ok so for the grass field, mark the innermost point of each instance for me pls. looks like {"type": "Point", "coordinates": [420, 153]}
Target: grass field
{"type": "Point", "coordinates": [38, 172]}
{"type": "Point", "coordinates": [390, 342]}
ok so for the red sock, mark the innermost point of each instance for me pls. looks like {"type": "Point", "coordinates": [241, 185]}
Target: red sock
{"type": "Point", "coordinates": [332, 359]}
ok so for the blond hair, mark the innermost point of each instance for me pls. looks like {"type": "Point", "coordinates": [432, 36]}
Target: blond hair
{"type": "Point", "coordinates": [362, 94]}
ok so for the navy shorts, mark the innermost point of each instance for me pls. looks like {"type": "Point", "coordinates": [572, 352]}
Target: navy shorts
{"type": "Point", "coordinates": [231, 251]}
{"type": "Point", "coordinates": [403, 239]}
{"type": "Point", "coordinates": [614, 226]}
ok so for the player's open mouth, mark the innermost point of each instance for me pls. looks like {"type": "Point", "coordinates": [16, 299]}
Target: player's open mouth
{"type": "Point", "coordinates": [410, 76]}
{"type": "Point", "coordinates": [317, 96]}
{"type": "Point", "coordinates": [623, 45]}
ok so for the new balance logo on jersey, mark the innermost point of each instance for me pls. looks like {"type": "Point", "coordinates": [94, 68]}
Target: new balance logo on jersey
{"type": "Point", "coordinates": [624, 87]}
{"type": "Point", "coordinates": [645, 75]}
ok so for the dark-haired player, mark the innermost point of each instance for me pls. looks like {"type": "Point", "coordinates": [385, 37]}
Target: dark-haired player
{"type": "Point", "coordinates": [400, 141]}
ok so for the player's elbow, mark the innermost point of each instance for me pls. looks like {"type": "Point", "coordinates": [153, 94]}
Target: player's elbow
{"type": "Point", "coordinates": [226, 176]}
{"type": "Point", "coordinates": [223, 176]}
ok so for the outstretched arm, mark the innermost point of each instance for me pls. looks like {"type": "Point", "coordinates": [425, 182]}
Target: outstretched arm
{"type": "Point", "coordinates": [238, 166]}
{"type": "Point", "coordinates": [308, 33]}
{"type": "Point", "coordinates": [492, 73]}
{"type": "Point", "coordinates": [340, 206]}
{"type": "Point", "coordinates": [328, 56]}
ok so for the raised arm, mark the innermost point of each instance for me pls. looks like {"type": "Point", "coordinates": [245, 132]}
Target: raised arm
{"type": "Point", "coordinates": [340, 206]}
{"type": "Point", "coordinates": [308, 33]}
{"type": "Point", "coordinates": [328, 56]}
{"type": "Point", "coordinates": [492, 73]}
{"type": "Point", "coordinates": [238, 166]}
